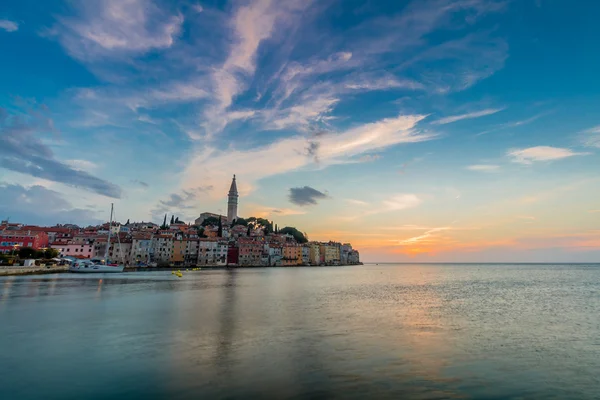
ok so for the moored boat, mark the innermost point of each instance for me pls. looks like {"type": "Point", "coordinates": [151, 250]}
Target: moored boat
{"type": "Point", "coordinates": [98, 264]}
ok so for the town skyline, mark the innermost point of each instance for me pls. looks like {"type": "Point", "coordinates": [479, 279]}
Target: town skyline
{"type": "Point", "coordinates": [419, 131]}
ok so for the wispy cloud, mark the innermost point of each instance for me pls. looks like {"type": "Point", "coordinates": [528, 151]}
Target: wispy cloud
{"type": "Point", "coordinates": [116, 27]}
{"type": "Point", "coordinates": [83, 165]}
{"type": "Point", "coordinates": [402, 202]}
{"type": "Point", "coordinates": [22, 151]}
{"type": "Point", "coordinates": [471, 115]}
{"type": "Point", "coordinates": [291, 153]}
{"type": "Point", "coordinates": [484, 167]}
{"type": "Point", "coordinates": [591, 137]}
{"type": "Point", "coordinates": [515, 124]}
{"type": "Point", "coordinates": [272, 212]}
{"type": "Point", "coordinates": [357, 202]}
{"type": "Point", "coordinates": [541, 153]}
{"type": "Point", "coordinates": [8, 26]}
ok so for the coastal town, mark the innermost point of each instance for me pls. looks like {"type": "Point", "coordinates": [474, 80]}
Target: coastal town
{"type": "Point", "coordinates": [211, 240]}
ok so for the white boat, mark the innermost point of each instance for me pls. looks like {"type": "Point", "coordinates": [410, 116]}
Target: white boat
{"type": "Point", "coordinates": [96, 265]}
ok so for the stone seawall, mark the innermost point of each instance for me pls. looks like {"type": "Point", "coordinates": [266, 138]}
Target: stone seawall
{"type": "Point", "coordinates": [19, 270]}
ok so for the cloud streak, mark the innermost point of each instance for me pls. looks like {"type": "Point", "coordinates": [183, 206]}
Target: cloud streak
{"type": "Point", "coordinates": [541, 153]}
{"type": "Point", "coordinates": [109, 28]}
{"type": "Point", "coordinates": [484, 168]}
{"type": "Point", "coordinates": [471, 115]}
{"type": "Point", "coordinates": [8, 26]}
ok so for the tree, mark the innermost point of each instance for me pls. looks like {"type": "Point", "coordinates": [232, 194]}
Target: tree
{"type": "Point", "coordinates": [298, 236]}
{"type": "Point", "coordinates": [164, 225]}
{"type": "Point", "coordinates": [127, 223]}
{"type": "Point", "coordinates": [50, 253]}
{"type": "Point", "coordinates": [27, 252]}
{"type": "Point", "coordinates": [239, 221]}
{"type": "Point", "coordinates": [177, 221]}
{"type": "Point", "coordinates": [211, 221]}
{"type": "Point", "coordinates": [276, 230]}
{"type": "Point", "coordinates": [220, 231]}
{"type": "Point", "coordinates": [200, 232]}
{"type": "Point", "coordinates": [248, 231]}
{"type": "Point", "coordinates": [172, 219]}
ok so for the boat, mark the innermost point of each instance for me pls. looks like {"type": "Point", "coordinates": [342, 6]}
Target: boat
{"type": "Point", "coordinates": [96, 265]}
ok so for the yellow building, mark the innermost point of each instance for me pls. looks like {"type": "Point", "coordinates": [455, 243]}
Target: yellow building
{"type": "Point", "coordinates": [290, 255]}
{"type": "Point", "coordinates": [329, 253]}
{"type": "Point", "coordinates": [315, 254]}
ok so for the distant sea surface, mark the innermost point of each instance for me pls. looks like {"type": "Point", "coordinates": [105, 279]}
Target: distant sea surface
{"type": "Point", "coordinates": [404, 331]}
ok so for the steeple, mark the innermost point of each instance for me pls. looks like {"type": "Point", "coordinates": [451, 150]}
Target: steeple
{"type": "Point", "coordinates": [233, 188]}
{"type": "Point", "coordinates": [232, 201]}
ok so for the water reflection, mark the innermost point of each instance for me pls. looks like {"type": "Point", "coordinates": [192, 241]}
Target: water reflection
{"type": "Point", "coordinates": [411, 331]}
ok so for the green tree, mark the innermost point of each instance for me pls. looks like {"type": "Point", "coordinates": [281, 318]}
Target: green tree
{"type": "Point", "coordinates": [127, 223]}
{"type": "Point", "coordinates": [200, 232]}
{"type": "Point", "coordinates": [239, 221]}
{"type": "Point", "coordinates": [50, 253]}
{"type": "Point", "coordinates": [248, 231]}
{"type": "Point", "coordinates": [172, 219]}
{"type": "Point", "coordinates": [276, 230]}
{"type": "Point", "coordinates": [211, 221]}
{"type": "Point", "coordinates": [27, 252]}
{"type": "Point", "coordinates": [220, 231]}
{"type": "Point", "coordinates": [298, 236]}
{"type": "Point", "coordinates": [164, 225]}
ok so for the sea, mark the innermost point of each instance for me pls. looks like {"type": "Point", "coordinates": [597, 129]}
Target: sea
{"type": "Point", "coordinates": [387, 331]}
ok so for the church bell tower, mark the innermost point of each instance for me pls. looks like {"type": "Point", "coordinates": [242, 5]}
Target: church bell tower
{"type": "Point", "coordinates": [232, 201]}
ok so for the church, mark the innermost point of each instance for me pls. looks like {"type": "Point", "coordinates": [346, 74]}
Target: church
{"type": "Point", "coordinates": [232, 206]}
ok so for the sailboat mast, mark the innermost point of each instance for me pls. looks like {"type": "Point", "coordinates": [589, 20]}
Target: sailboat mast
{"type": "Point", "coordinates": [109, 232]}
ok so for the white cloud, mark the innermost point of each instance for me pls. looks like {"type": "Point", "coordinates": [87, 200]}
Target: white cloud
{"type": "Point", "coordinates": [484, 168]}
{"type": "Point", "coordinates": [591, 137]}
{"type": "Point", "coordinates": [292, 153]}
{"type": "Point", "coordinates": [428, 236]}
{"type": "Point", "coordinates": [357, 202]}
{"type": "Point", "coordinates": [541, 153]}
{"type": "Point", "coordinates": [401, 202]}
{"type": "Point", "coordinates": [83, 165]}
{"type": "Point", "coordinates": [476, 114]}
{"type": "Point", "coordinates": [108, 27]}
{"type": "Point", "coordinates": [8, 26]}
{"type": "Point", "coordinates": [251, 24]}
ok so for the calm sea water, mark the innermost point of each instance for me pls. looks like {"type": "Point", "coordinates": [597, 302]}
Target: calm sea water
{"type": "Point", "coordinates": [387, 331]}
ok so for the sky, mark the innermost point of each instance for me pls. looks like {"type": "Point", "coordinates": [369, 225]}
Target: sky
{"type": "Point", "coordinates": [419, 131]}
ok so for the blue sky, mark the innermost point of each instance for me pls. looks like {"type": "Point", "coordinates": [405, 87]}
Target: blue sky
{"type": "Point", "coordinates": [418, 130]}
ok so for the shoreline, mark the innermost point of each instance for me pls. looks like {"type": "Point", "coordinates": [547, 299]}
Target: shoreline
{"type": "Point", "coordinates": [23, 271]}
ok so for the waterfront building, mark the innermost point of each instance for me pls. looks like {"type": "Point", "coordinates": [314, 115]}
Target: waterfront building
{"type": "Point", "coordinates": [11, 240]}
{"type": "Point", "coordinates": [275, 254]}
{"type": "Point", "coordinates": [162, 248]}
{"type": "Point", "coordinates": [290, 254]}
{"type": "Point", "coordinates": [179, 247]}
{"type": "Point", "coordinates": [314, 253]}
{"type": "Point", "coordinates": [305, 254]}
{"type": "Point", "coordinates": [73, 248]}
{"type": "Point", "coordinates": [250, 252]}
{"type": "Point", "coordinates": [233, 254]}
{"type": "Point", "coordinates": [141, 248]}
